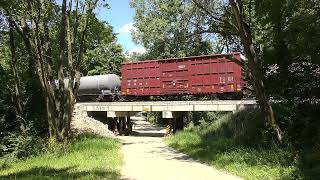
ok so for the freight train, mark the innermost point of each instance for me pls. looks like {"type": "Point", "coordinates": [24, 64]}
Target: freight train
{"type": "Point", "coordinates": [219, 75]}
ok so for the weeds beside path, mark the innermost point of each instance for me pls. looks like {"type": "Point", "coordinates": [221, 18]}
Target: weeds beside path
{"type": "Point", "coordinates": [86, 158]}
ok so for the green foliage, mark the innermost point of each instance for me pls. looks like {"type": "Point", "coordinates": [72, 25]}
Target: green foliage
{"type": "Point", "coordinates": [88, 157]}
{"type": "Point", "coordinates": [55, 147]}
{"type": "Point", "coordinates": [103, 55]}
{"type": "Point", "coordinates": [32, 102]}
{"type": "Point", "coordinates": [290, 42]}
{"type": "Point", "coordinates": [19, 146]}
{"type": "Point", "coordinates": [155, 118]}
{"type": "Point", "coordinates": [16, 145]}
{"type": "Point", "coordinates": [303, 131]}
{"type": "Point", "coordinates": [5, 103]}
{"type": "Point", "coordinates": [209, 117]}
{"type": "Point", "coordinates": [164, 28]}
{"type": "Point", "coordinates": [104, 59]}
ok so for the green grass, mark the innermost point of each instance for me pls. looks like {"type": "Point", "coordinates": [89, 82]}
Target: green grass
{"type": "Point", "coordinates": [239, 144]}
{"type": "Point", "coordinates": [246, 162]}
{"type": "Point", "coordinates": [86, 158]}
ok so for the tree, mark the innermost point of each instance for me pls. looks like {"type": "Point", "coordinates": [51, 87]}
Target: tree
{"type": "Point", "coordinates": [46, 46]}
{"type": "Point", "coordinates": [32, 21]}
{"type": "Point", "coordinates": [290, 43]}
{"type": "Point", "coordinates": [16, 81]}
{"type": "Point", "coordinates": [103, 55]}
{"type": "Point", "coordinates": [169, 28]}
{"type": "Point", "coordinates": [104, 59]}
{"type": "Point", "coordinates": [255, 69]}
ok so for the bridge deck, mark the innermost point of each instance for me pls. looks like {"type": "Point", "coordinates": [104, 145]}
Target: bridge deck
{"type": "Point", "coordinates": [216, 105]}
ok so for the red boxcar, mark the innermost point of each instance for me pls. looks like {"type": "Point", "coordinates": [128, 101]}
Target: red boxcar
{"type": "Point", "coordinates": [190, 75]}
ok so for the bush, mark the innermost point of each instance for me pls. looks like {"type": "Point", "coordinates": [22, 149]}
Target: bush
{"type": "Point", "coordinates": [198, 117]}
{"type": "Point", "coordinates": [15, 146]}
{"type": "Point", "coordinates": [155, 118]}
{"type": "Point", "coordinates": [19, 146]}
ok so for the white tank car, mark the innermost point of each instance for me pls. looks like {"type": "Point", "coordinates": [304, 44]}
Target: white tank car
{"type": "Point", "coordinates": [97, 88]}
{"type": "Point", "coordinates": [99, 85]}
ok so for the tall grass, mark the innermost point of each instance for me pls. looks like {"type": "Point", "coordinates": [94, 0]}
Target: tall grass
{"type": "Point", "coordinates": [88, 157]}
{"type": "Point", "coordinates": [237, 143]}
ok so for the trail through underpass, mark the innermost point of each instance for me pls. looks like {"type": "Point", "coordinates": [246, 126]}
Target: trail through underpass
{"type": "Point", "coordinates": [146, 157]}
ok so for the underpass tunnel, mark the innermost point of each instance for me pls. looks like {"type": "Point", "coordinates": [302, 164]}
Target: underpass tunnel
{"type": "Point", "coordinates": [122, 123]}
{"type": "Point", "coordinates": [118, 122]}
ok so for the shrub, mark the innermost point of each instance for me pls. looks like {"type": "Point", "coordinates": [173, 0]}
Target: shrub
{"type": "Point", "coordinates": [53, 146]}
{"type": "Point", "coordinates": [155, 118]}
{"type": "Point", "coordinates": [16, 145]}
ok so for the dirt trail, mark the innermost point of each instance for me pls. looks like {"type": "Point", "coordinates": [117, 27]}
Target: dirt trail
{"type": "Point", "coordinates": [146, 157]}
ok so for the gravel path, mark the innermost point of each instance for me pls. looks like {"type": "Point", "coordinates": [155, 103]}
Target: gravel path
{"type": "Point", "coordinates": [146, 157]}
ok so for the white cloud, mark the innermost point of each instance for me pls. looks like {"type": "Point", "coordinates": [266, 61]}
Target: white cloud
{"type": "Point", "coordinates": [138, 50]}
{"type": "Point", "coordinates": [127, 28]}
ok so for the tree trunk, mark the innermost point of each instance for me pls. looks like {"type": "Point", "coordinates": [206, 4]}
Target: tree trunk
{"type": "Point", "coordinates": [16, 81]}
{"type": "Point", "coordinates": [255, 70]}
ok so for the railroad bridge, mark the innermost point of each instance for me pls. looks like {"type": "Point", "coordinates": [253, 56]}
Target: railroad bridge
{"type": "Point", "coordinates": [175, 110]}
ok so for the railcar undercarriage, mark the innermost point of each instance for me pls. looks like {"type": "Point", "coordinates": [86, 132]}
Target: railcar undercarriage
{"type": "Point", "coordinates": [116, 97]}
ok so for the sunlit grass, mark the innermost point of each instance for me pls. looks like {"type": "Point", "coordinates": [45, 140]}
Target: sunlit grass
{"type": "Point", "coordinates": [86, 158]}
{"type": "Point", "coordinates": [246, 162]}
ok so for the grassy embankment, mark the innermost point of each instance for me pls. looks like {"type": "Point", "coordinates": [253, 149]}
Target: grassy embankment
{"type": "Point", "coordinates": [88, 157]}
{"type": "Point", "coordinates": [232, 143]}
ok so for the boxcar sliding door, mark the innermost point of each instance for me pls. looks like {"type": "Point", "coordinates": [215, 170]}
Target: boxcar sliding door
{"type": "Point", "coordinates": [174, 76]}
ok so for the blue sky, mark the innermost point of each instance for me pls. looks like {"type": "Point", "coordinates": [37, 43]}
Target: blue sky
{"type": "Point", "coordinates": [120, 16]}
